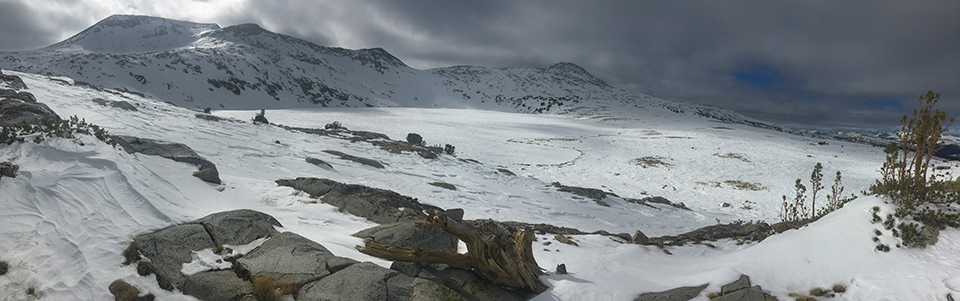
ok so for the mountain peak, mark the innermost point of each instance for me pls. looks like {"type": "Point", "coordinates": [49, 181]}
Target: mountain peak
{"type": "Point", "coordinates": [567, 68]}
{"type": "Point", "coordinates": [135, 33]}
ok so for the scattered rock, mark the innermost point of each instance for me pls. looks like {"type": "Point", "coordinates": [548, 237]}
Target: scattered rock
{"type": "Point", "coordinates": [741, 290]}
{"type": "Point", "coordinates": [639, 237]}
{"type": "Point", "coordinates": [742, 283]}
{"type": "Point", "coordinates": [208, 175]}
{"type": "Point", "coordinates": [561, 269]}
{"type": "Point", "coordinates": [411, 235]}
{"type": "Point", "coordinates": [754, 293]}
{"type": "Point", "coordinates": [657, 200]}
{"type": "Point", "coordinates": [123, 105]}
{"type": "Point", "coordinates": [817, 292]}
{"type": "Point", "coordinates": [749, 231]}
{"type": "Point", "coordinates": [144, 268]}
{"type": "Point", "coordinates": [123, 291]}
{"type": "Point", "coordinates": [444, 185]}
{"type": "Point", "coordinates": [680, 293]}
{"type": "Point", "coordinates": [321, 163]}
{"type": "Point", "coordinates": [312, 186]}
{"type": "Point", "coordinates": [455, 214]}
{"type": "Point", "coordinates": [624, 236]}
{"type": "Point", "coordinates": [8, 169]}
{"type": "Point", "coordinates": [565, 240]}
{"type": "Point", "coordinates": [592, 193]}
{"type": "Point", "coordinates": [504, 171]}
{"type": "Point", "coordinates": [217, 286]}
{"type": "Point", "coordinates": [4, 267]}
{"type": "Point", "coordinates": [364, 161]}
{"type": "Point", "coordinates": [175, 151]}
{"type": "Point", "coordinates": [209, 117]}
{"type": "Point", "coordinates": [839, 288]}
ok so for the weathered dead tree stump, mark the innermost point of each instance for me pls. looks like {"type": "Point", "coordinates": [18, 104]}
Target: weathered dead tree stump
{"type": "Point", "coordinates": [495, 253]}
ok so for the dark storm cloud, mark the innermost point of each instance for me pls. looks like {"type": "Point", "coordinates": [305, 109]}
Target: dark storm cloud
{"type": "Point", "coordinates": [825, 63]}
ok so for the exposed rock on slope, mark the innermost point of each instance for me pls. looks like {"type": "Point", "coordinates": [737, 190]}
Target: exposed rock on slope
{"type": "Point", "coordinates": [171, 150]}
{"type": "Point", "coordinates": [19, 107]}
{"type": "Point", "coordinates": [378, 205]}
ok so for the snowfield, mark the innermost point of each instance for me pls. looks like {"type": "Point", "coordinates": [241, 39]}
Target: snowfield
{"type": "Point", "coordinates": [77, 203]}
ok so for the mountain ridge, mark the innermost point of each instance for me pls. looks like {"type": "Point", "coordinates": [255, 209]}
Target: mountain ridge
{"type": "Point", "coordinates": [245, 66]}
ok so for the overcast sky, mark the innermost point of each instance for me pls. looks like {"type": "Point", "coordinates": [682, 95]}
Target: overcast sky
{"type": "Point", "coordinates": [823, 63]}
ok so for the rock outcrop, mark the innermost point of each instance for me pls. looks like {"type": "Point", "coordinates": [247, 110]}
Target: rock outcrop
{"type": "Point", "coordinates": [170, 248]}
{"type": "Point", "coordinates": [378, 205]}
{"type": "Point", "coordinates": [171, 150]}
{"type": "Point", "coordinates": [677, 294]}
{"type": "Point", "coordinates": [123, 105]}
{"type": "Point", "coordinates": [8, 169]}
{"type": "Point", "coordinates": [361, 160]}
{"type": "Point", "coordinates": [411, 235]}
{"type": "Point", "coordinates": [18, 108]}
{"type": "Point", "coordinates": [746, 231]}
{"type": "Point", "coordinates": [289, 260]}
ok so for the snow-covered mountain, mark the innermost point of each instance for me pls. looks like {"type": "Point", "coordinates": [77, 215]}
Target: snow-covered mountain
{"type": "Point", "coordinates": [247, 67]}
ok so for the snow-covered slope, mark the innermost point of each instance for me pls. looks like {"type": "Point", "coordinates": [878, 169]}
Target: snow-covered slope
{"type": "Point", "coordinates": [78, 202]}
{"type": "Point", "coordinates": [246, 67]}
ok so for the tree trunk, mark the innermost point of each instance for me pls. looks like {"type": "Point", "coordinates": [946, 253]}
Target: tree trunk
{"type": "Point", "coordinates": [495, 253]}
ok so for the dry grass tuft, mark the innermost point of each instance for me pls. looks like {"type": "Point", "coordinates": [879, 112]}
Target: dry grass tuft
{"type": "Point", "coordinates": [744, 185]}
{"type": "Point", "coordinates": [740, 157]}
{"type": "Point", "coordinates": [267, 289]}
{"type": "Point", "coordinates": [651, 161]}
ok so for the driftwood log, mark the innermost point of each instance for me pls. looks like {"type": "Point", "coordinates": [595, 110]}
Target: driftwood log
{"type": "Point", "coordinates": [495, 253]}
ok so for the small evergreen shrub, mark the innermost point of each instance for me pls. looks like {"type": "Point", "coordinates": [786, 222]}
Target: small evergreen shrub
{"type": "Point", "coordinates": [261, 117]}
{"type": "Point", "coordinates": [49, 128]}
{"type": "Point", "coordinates": [905, 175]}
{"type": "Point", "coordinates": [415, 139]}
{"type": "Point", "coordinates": [4, 267]}
{"type": "Point", "coordinates": [333, 126]}
{"type": "Point", "coordinates": [206, 110]}
{"type": "Point", "coordinates": [450, 150]}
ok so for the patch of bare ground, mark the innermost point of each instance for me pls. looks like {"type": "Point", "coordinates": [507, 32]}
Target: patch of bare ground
{"type": "Point", "coordinates": [651, 161]}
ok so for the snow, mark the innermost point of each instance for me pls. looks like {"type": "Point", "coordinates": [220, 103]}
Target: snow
{"type": "Point", "coordinates": [207, 260]}
{"type": "Point", "coordinates": [77, 203]}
